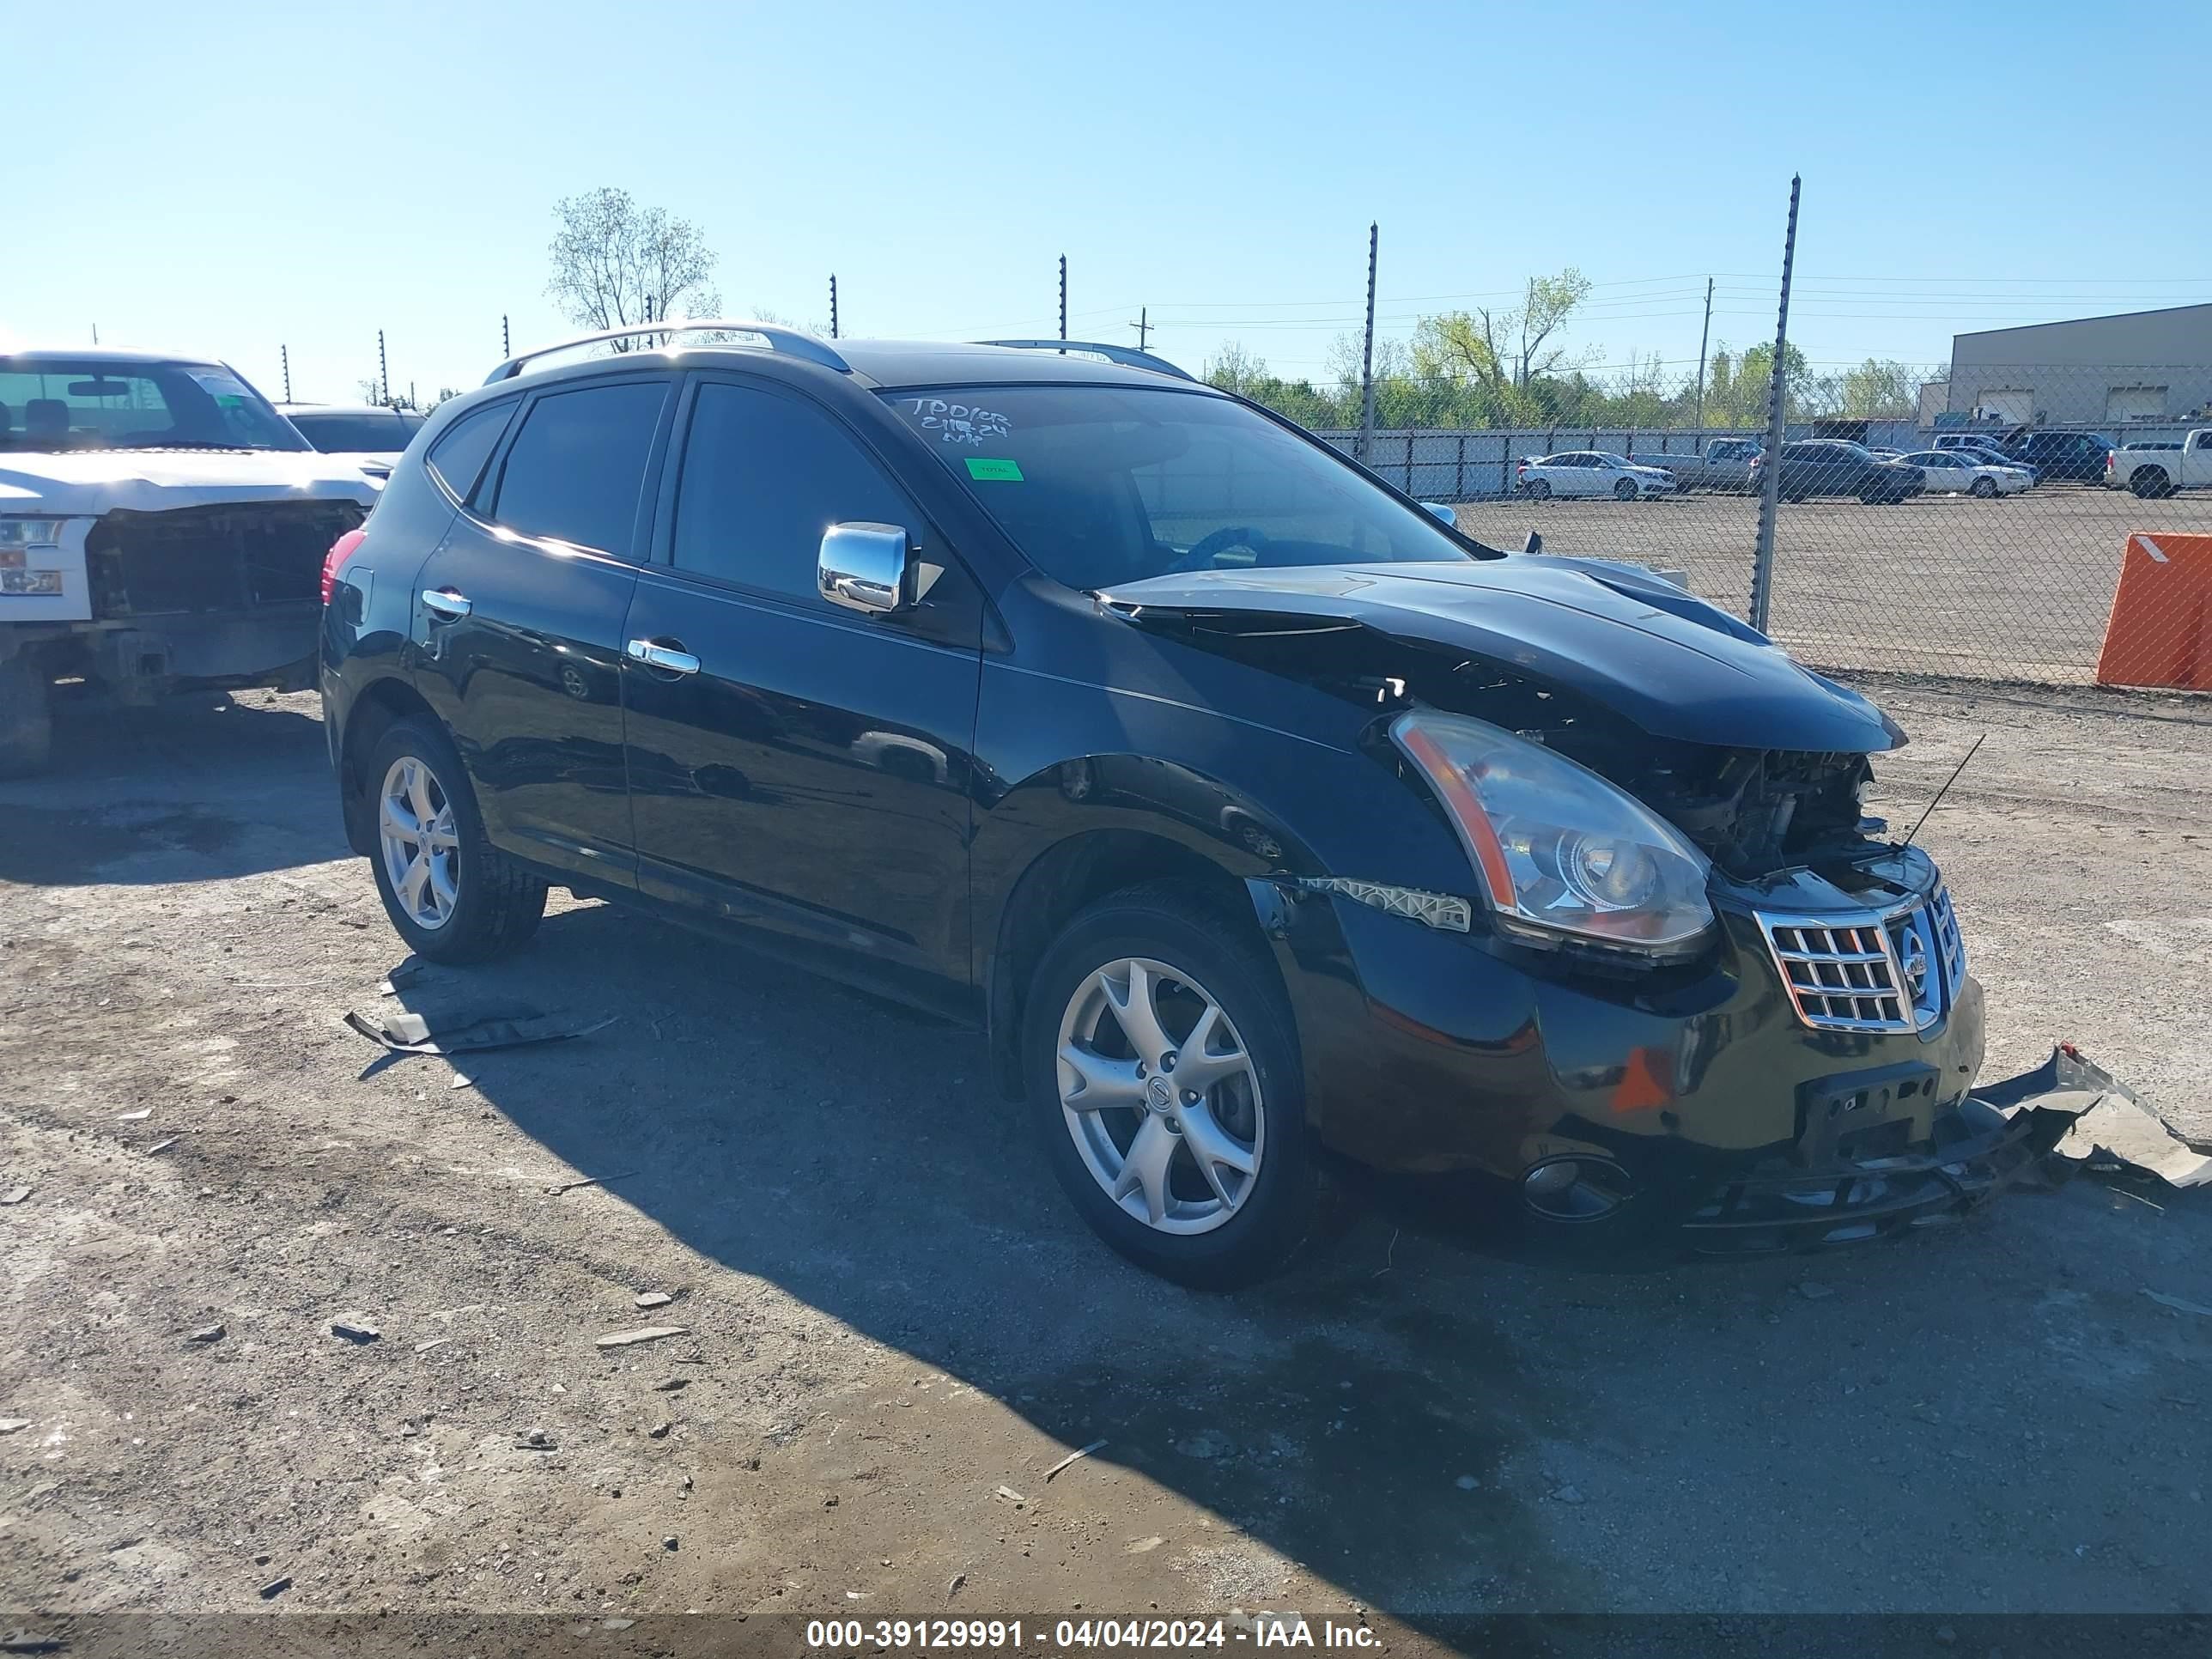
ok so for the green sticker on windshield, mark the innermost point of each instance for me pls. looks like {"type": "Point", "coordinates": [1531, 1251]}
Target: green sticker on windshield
{"type": "Point", "coordinates": [994, 471]}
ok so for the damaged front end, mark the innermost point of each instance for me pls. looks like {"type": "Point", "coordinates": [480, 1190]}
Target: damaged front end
{"type": "Point", "coordinates": [1782, 1058]}
{"type": "Point", "coordinates": [218, 595]}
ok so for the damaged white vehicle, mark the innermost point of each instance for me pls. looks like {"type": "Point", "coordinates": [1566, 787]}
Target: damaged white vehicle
{"type": "Point", "coordinates": [162, 528]}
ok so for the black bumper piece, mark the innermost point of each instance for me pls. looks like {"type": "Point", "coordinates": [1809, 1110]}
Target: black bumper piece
{"type": "Point", "coordinates": [1975, 1152]}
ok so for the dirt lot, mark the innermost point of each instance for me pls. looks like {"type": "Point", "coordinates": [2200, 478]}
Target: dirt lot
{"type": "Point", "coordinates": [2016, 588]}
{"type": "Point", "coordinates": [893, 1321]}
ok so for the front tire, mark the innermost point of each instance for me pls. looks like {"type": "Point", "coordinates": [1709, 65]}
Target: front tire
{"type": "Point", "coordinates": [1985, 488]}
{"type": "Point", "coordinates": [26, 720]}
{"type": "Point", "coordinates": [450, 893]}
{"type": "Point", "coordinates": [1162, 1068]}
{"type": "Point", "coordinates": [1625, 490]}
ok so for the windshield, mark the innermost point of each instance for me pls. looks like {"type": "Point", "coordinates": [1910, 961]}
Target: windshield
{"type": "Point", "coordinates": [345, 434]}
{"type": "Point", "coordinates": [1102, 485]}
{"type": "Point", "coordinates": [52, 404]}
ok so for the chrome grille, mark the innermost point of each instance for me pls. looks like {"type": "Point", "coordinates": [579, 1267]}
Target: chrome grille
{"type": "Point", "coordinates": [1873, 971]}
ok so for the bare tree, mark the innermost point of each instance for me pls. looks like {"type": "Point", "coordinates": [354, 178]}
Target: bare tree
{"type": "Point", "coordinates": [616, 264]}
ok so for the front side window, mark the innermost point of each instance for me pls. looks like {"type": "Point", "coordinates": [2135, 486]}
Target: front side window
{"type": "Point", "coordinates": [1104, 484]}
{"type": "Point", "coordinates": [54, 405]}
{"type": "Point", "coordinates": [764, 475]}
{"type": "Point", "coordinates": [575, 471]}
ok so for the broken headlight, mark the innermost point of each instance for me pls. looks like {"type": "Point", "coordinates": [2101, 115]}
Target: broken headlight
{"type": "Point", "coordinates": [1563, 854]}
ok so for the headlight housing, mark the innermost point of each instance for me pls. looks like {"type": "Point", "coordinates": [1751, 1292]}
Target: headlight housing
{"type": "Point", "coordinates": [1563, 856]}
{"type": "Point", "coordinates": [30, 532]}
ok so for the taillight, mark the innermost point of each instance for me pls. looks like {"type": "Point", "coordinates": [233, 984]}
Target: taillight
{"type": "Point", "coordinates": [341, 550]}
{"type": "Point", "coordinates": [1522, 470]}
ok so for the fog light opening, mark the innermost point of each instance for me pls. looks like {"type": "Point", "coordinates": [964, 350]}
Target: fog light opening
{"type": "Point", "coordinates": [1574, 1188]}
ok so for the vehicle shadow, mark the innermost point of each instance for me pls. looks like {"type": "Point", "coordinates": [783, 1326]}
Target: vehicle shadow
{"type": "Point", "coordinates": [857, 1154]}
{"type": "Point", "coordinates": [1406, 1416]}
{"type": "Point", "coordinates": [192, 788]}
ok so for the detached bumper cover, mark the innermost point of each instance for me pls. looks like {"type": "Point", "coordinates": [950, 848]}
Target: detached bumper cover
{"type": "Point", "coordinates": [1975, 1152]}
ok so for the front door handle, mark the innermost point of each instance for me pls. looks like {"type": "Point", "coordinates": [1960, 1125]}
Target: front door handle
{"type": "Point", "coordinates": [443, 603]}
{"type": "Point", "coordinates": [654, 654]}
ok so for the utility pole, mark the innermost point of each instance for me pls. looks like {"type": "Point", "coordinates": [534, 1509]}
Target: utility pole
{"type": "Point", "coordinates": [285, 352]}
{"type": "Point", "coordinates": [1367, 350]}
{"type": "Point", "coordinates": [833, 305]}
{"type": "Point", "coordinates": [505, 345]}
{"type": "Point", "coordinates": [1143, 325]}
{"type": "Point", "coordinates": [1762, 562]}
{"type": "Point", "coordinates": [1063, 299]}
{"type": "Point", "coordinates": [95, 333]}
{"type": "Point", "coordinates": [382, 368]}
{"type": "Point", "coordinates": [1702, 339]}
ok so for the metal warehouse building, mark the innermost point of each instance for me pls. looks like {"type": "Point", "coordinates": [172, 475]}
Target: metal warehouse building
{"type": "Point", "coordinates": [2143, 366]}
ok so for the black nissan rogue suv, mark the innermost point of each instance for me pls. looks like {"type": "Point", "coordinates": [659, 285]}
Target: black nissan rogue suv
{"type": "Point", "coordinates": [1261, 819]}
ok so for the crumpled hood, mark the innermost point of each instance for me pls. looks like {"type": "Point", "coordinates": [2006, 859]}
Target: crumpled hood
{"type": "Point", "coordinates": [96, 481]}
{"type": "Point", "coordinates": [1664, 659]}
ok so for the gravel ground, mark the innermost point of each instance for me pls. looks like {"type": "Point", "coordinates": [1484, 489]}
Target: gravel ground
{"type": "Point", "coordinates": [891, 1321]}
{"type": "Point", "coordinates": [2009, 589]}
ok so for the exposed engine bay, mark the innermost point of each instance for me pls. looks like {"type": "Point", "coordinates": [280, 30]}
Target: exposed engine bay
{"type": "Point", "coordinates": [235, 556]}
{"type": "Point", "coordinates": [1752, 812]}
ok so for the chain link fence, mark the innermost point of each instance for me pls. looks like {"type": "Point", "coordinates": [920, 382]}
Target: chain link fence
{"type": "Point", "coordinates": [1983, 534]}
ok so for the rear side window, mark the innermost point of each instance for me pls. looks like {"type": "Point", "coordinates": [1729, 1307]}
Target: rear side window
{"type": "Point", "coordinates": [764, 475]}
{"type": "Point", "coordinates": [459, 456]}
{"type": "Point", "coordinates": [574, 470]}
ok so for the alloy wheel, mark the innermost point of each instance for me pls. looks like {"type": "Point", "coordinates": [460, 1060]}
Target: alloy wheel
{"type": "Point", "coordinates": [1160, 1095]}
{"type": "Point", "coordinates": [420, 842]}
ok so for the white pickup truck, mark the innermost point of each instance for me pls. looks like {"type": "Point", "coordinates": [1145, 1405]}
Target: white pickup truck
{"type": "Point", "coordinates": [161, 527]}
{"type": "Point", "coordinates": [2160, 472]}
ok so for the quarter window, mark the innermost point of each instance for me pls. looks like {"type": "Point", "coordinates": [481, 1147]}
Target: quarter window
{"type": "Point", "coordinates": [764, 475]}
{"type": "Point", "coordinates": [459, 456]}
{"type": "Point", "coordinates": [577, 466]}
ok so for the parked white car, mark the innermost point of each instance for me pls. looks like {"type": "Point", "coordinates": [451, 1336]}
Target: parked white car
{"type": "Point", "coordinates": [1592, 472]}
{"type": "Point", "coordinates": [1963, 473]}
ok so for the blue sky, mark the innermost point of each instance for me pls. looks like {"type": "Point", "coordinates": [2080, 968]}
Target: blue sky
{"type": "Point", "coordinates": [227, 179]}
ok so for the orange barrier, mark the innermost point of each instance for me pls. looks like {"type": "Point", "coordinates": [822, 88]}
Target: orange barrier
{"type": "Point", "coordinates": [2160, 631]}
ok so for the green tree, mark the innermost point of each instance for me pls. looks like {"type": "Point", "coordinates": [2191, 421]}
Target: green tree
{"type": "Point", "coordinates": [1504, 352]}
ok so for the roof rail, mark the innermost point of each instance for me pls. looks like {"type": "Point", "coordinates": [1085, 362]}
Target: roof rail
{"type": "Point", "coordinates": [1127, 356]}
{"type": "Point", "coordinates": [790, 341]}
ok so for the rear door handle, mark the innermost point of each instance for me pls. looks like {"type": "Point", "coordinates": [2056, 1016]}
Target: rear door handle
{"type": "Point", "coordinates": [443, 602]}
{"type": "Point", "coordinates": [654, 654]}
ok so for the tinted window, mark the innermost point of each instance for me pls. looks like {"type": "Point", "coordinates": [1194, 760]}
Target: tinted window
{"type": "Point", "coordinates": [459, 456]}
{"type": "Point", "coordinates": [575, 469]}
{"type": "Point", "coordinates": [339, 434]}
{"type": "Point", "coordinates": [764, 475]}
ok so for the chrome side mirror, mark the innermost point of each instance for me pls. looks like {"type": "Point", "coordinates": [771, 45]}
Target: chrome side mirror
{"type": "Point", "coordinates": [866, 567]}
{"type": "Point", "coordinates": [1443, 512]}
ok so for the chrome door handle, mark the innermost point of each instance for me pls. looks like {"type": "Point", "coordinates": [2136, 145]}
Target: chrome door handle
{"type": "Point", "coordinates": [443, 603]}
{"type": "Point", "coordinates": [653, 655]}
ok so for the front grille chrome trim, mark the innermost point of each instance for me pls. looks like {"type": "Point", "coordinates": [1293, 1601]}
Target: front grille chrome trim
{"type": "Point", "coordinates": [1897, 970]}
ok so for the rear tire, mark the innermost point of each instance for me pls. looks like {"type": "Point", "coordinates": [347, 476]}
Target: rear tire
{"type": "Point", "coordinates": [26, 720]}
{"type": "Point", "coordinates": [1540, 489]}
{"type": "Point", "coordinates": [2148, 483]}
{"type": "Point", "coordinates": [1214, 1226]}
{"type": "Point", "coordinates": [488, 905]}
